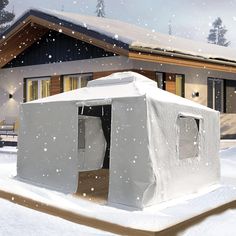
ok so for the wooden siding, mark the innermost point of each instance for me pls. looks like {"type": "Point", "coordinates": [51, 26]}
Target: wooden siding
{"type": "Point", "coordinates": [170, 83]}
{"type": "Point", "coordinates": [56, 85]}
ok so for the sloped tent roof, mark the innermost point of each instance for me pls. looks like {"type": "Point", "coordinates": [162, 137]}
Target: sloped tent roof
{"type": "Point", "coordinates": [144, 137]}
{"type": "Point", "coordinates": [117, 36]}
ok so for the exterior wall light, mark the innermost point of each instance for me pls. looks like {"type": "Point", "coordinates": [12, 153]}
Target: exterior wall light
{"type": "Point", "coordinates": [195, 94]}
{"type": "Point", "coordinates": [10, 96]}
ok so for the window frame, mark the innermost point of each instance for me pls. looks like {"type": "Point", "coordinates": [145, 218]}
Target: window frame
{"type": "Point", "coordinates": [228, 84]}
{"type": "Point", "coordinates": [39, 79]}
{"type": "Point", "coordinates": [74, 74]}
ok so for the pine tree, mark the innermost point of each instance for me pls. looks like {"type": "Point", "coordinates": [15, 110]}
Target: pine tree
{"type": "Point", "coordinates": [217, 33]}
{"type": "Point", "coordinates": [100, 8]}
{"type": "Point", "coordinates": [170, 27]}
{"type": "Point", "coordinates": [5, 16]}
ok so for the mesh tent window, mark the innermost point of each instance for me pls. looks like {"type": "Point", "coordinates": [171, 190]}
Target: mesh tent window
{"type": "Point", "coordinates": [188, 136]}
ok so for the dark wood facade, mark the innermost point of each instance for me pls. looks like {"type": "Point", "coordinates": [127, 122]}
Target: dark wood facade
{"type": "Point", "coordinates": [170, 83]}
{"type": "Point", "coordinates": [55, 47]}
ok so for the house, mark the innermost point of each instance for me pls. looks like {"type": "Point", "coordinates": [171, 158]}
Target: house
{"type": "Point", "coordinates": [48, 52]}
{"type": "Point", "coordinates": [120, 119]}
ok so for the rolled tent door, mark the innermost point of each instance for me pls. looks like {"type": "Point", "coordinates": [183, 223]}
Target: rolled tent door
{"type": "Point", "coordinates": [91, 143]}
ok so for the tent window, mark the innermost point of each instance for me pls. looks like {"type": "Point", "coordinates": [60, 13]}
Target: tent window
{"type": "Point", "coordinates": [188, 143]}
{"type": "Point", "coordinates": [81, 138]}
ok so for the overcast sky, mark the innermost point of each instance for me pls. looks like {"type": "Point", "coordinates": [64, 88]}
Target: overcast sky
{"type": "Point", "coordinates": [189, 18]}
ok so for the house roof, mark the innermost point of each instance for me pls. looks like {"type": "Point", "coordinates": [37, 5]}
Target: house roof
{"type": "Point", "coordinates": [113, 35]}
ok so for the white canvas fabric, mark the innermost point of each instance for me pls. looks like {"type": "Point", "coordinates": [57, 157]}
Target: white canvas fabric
{"type": "Point", "coordinates": [162, 146]}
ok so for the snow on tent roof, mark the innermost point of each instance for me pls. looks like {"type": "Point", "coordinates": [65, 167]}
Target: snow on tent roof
{"type": "Point", "coordinates": [121, 78]}
{"type": "Point", "coordinates": [138, 37]}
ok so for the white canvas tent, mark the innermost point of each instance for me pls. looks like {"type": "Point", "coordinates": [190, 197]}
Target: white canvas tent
{"type": "Point", "coordinates": [160, 146]}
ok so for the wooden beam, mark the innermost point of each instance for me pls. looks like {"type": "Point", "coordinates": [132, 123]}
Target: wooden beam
{"type": "Point", "coordinates": [78, 35]}
{"type": "Point", "coordinates": [15, 44]}
{"type": "Point", "coordinates": [181, 62]}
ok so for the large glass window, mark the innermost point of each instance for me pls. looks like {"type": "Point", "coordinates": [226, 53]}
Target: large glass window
{"type": "Point", "coordinates": [71, 82]}
{"type": "Point", "coordinates": [222, 95]}
{"type": "Point", "coordinates": [37, 88]}
{"type": "Point", "coordinates": [188, 135]}
{"type": "Point", "coordinates": [173, 83]}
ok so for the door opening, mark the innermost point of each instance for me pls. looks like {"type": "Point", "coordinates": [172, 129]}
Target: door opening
{"type": "Point", "coordinates": [94, 184]}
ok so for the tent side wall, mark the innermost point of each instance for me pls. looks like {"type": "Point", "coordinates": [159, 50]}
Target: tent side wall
{"type": "Point", "coordinates": [131, 172]}
{"type": "Point", "coordinates": [177, 172]}
{"type": "Point", "coordinates": [48, 146]}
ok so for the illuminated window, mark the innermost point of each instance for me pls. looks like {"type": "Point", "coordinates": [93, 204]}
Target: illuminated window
{"type": "Point", "coordinates": [71, 82]}
{"type": "Point", "coordinates": [179, 86]}
{"type": "Point", "coordinates": [37, 88]}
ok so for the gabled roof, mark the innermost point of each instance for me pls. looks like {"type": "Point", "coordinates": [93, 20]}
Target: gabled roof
{"type": "Point", "coordinates": [112, 35]}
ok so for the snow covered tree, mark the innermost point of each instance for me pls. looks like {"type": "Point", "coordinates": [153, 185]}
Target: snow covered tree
{"type": "Point", "coordinates": [170, 27]}
{"type": "Point", "coordinates": [217, 33]}
{"type": "Point", "coordinates": [100, 8]}
{"type": "Point", "coordinates": [5, 16]}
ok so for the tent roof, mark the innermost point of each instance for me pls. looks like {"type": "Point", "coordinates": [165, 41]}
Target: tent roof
{"type": "Point", "coordinates": [114, 33]}
{"type": "Point", "coordinates": [119, 85]}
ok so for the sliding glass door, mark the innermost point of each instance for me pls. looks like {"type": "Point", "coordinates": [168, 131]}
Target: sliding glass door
{"type": "Point", "coordinates": [216, 94]}
{"type": "Point", "coordinates": [230, 98]}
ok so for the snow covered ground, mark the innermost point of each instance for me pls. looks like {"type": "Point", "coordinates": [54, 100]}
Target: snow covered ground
{"type": "Point", "coordinates": [17, 219]}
